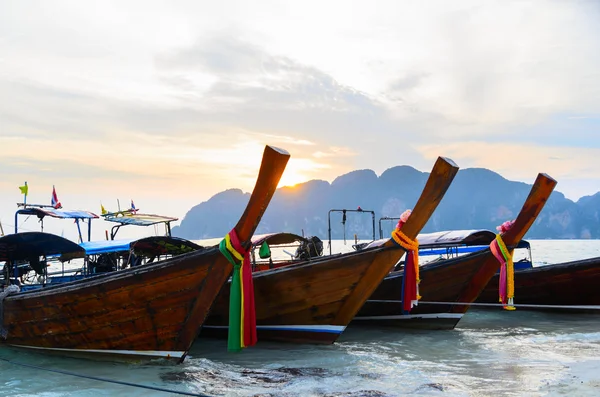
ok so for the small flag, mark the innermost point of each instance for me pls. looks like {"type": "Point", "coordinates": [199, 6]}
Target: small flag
{"type": "Point", "coordinates": [265, 251]}
{"type": "Point", "coordinates": [103, 210]}
{"type": "Point", "coordinates": [54, 201]}
{"type": "Point", "coordinates": [133, 206]}
{"type": "Point", "coordinates": [24, 189]}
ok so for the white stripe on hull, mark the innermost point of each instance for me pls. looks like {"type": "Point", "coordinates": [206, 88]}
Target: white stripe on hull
{"type": "Point", "coordinates": [139, 353]}
{"type": "Point", "coordinates": [335, 329]}
{"type": "Point", "coordinates": [457, 316]}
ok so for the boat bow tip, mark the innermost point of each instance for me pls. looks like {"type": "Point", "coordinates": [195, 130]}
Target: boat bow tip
{"type": "Point", "coordinates": [278, 150]}
{"type": "Point", "coordinates": [534, 203]}
{"type": "Point", "coordinates": [448, 160]}
{"type": "Point", "coordinates": [547, 178]}
{"type": "Point", "coordinates": [272, 166]}
{"type": "Point", "coordinates": [441, 177]}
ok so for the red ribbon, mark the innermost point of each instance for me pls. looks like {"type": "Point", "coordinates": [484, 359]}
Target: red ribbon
{"type": "Point", "coordinates": [249, 310]}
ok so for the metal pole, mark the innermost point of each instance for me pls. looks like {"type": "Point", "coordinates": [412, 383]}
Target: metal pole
{"type": "Point", "coordinates": [373, 218]}
{"type": "Point", "coordinates": [79, 230]}
{"type": "Point", "coordinates": [329, 229]}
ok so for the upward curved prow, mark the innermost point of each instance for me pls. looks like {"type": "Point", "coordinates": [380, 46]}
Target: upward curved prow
{"type": "Point", "coordinates": [440, 179]}
{"type": "Point", "coordinates": [272, 166]}
{"type": "Point", "coordinates": [540, 192]}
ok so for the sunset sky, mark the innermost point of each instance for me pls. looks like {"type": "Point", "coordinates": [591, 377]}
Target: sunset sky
{"type": "Point", "coordinates": [168, 103]}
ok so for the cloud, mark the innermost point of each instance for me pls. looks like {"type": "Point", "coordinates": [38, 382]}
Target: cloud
{"type": "Point", "coordinates": [500, 63]}
{"type": "Point", "coordinates": [522, 161]}
{"type": "Point", "coordinates": [186, 95]}
{"type": "Point", "coordinates": [410, 81]}
{"type": "Point", "coordinates": [267, 92]}
{"type": "Point", "coordinates": [223, 56]}
{"type": "Point", "coordinates": [336, 151]}
{"type": "Point", "coordinates": [280, 96]}
{"type": "Point", "coordinates": [24, 167]}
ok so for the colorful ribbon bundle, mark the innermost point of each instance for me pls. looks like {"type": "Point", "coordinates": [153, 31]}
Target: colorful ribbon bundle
{"type": "Point", "coordinates": [242, 314]}
{"type": "Point", "coordinates": [410, 283]}
{"type": "Point", "coordinates": [506, 285]}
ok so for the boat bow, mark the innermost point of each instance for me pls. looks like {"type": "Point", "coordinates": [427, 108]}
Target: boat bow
{"type": "Point", "coordinates": [148, 311]}
{"type": "Point", "coordinates": [440, 179]}
{"type": "Point", "coordinates": [538, 196]}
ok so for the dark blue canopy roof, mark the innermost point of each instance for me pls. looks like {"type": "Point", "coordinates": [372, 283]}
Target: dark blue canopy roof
{"type": "Point", "coordinates": [27, 245]}
{"type": "Point", "coordinates": [155, 245]}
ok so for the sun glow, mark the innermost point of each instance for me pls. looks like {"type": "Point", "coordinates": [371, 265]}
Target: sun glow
{"type": "Point", "coordinates": [300, 170]}
{"type": "Point", "coordinates": [291, 178]}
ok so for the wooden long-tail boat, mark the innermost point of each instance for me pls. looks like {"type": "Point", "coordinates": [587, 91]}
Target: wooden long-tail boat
{"type": "Point", "coordinates": [450, 282]}
{"type": "Point", "coordinates": [313, 301]}
{"type": "Point", "coordinates": [150, 311]}
{"type": "Point", "coordinates": [569, 287]}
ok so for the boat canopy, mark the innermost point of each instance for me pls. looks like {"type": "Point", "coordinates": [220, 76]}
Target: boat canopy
{"type": "Point", "coordinates": [163, 245]}
{"type": "Point", "coordinates": [29, 245]}
{"type": "Point", "coordinates": [148, 246]}
{"type": "Point", "coordinates": [471, 240]}
{"type": "Point", "coordinates": [41, 212]}
{"type": "Point", "coordinates": [276, 238]}
{"type": "Point", "coordinates": [466, 249]}
{"type": "Point", "coordinates": [456, 237]}
{"type": "Point", "coordinates": [447, 239]}
{"type": "Point", "coordinates": [524, 244]}
{"type": "Point", "coordinates": [106, 246]}
{"type": "Point", "coordinates": [131, 218]}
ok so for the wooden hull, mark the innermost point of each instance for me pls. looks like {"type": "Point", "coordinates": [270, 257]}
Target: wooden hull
{"type": "Point", "coordinates": [311, 302]}
{"type": "Point", "coordinates": [446, 281]}
{"type": "Point", "coordinates": [564, 284]}
{"type": "Point", "coordinates": [147, 312]}
{"type": "Point", "coordinates": [454, 281]}
{"type": "Point", "coordinates": [314, 301]}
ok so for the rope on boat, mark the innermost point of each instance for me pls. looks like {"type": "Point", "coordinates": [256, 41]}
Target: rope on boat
{"type": "Point", "coordinates": [26, 219]}
{"type": "Point", "coordinates": [10, 225]}
{"type": "Point", "coordinates": [523, 305]}
{"type": "Point", "coordinates": [11, 289]}
{"type": "Point", "coordinates": [118, 382]}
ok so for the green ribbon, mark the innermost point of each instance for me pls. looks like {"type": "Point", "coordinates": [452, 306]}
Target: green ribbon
{"type": "Point", "coordinates": [235, 302]}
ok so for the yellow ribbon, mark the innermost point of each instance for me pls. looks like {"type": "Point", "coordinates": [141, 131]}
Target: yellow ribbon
{"type": "Point", "coordinates": [230, 248]}
{"type": "Point", "coordinates": [510, 273]}
{"type": "Point", "coordinates": [240, 257]}
{"type": "Point", "coordinates": [409, 245]}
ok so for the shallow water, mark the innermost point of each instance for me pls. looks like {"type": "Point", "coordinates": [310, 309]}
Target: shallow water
{"type": "Point", "coordinates": [491, 352]}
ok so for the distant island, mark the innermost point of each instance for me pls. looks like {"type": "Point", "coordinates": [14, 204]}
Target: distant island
{"type": "Point", "coordinates": [478, 199]}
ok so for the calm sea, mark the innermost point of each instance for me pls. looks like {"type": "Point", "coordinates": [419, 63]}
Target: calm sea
{"type": "Point", "coordinates": [491, 353]}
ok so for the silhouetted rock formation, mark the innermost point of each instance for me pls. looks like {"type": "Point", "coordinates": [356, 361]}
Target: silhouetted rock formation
{"type": "Point", "coordinates": [478, 198]}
